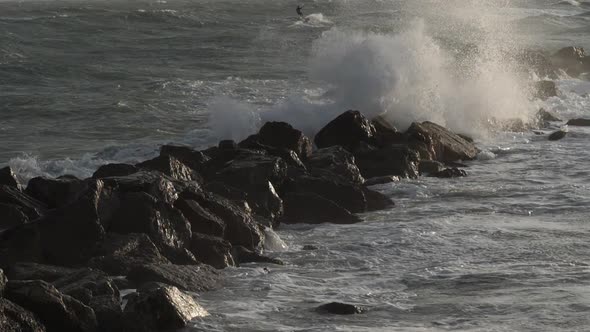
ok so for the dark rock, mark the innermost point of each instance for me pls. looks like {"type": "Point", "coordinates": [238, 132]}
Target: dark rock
{"type": "Point", "coordinates": [202, 221]}
{"type": "Point", "coordinates": [579, 122]}
{"type": "Point", "coordinates": [543, 89]}
{"type": "Point", "coordinates": [450, 173]}
{"type": "Point", "coordinates": [8, 178]}
{"type": "Point", "coordinates": [312, 208]}
{"type": "Point", "coordinates": [537, 62]}
{"type": "Point", "coordinates": [283, 135]}
{"type": "Point", "coordinates": [544, 116]}
{"type": "Point", "coordinates": [396, 160]}
{"type": "Point", "coordinates": [430, 166]}
{"type": "Point", "coordinates": [338, 161]}
{"type": "Point", "coordinates": [12, 215]}
{"type": "Point", "coordinates": [28, 205]}
{"type": "Point", "coordinates": [158, 185]}
{"type": "Point", "coordinates": [385, 132]}
{"type": "Point", "coordinates": [56, 192]}
{"type": "Point", "coordinates": [376, 200]}
{"type": "Point", "coordinates": [557, 135]}
{"type": "Point", "coordinates": [109, 313]}
{"type": "Point", "coordinates": [172, 167]}
{"type": "Point", "coordinates": [347, 130]}
{"type": "Point", "coordinates": [3, 281]}
{"type": "Point", "coordinates": [58, 312]}
{"type": "Point", "coordinates": [338, 308]}
{"type": "Point", "coordinates": [443, 144]}
{"type": "Point", "coordinates": [226, 191]}
{"type": "Point", "coordinates": [194, 278]}
{"type": "Point", "coordinates": [227, 144]}
{"type": "Point", "coordinates": [161, 309]}
{"type": "Point", "coordinates": [291, 157]}
{"type": "Point", "coordinates": [332, 188]}
{"type": "Point", "coordinates": [381, 180]}
{"type": "Point", "coordinates": [14, 318]}
{"type": "Point", "coordinates": [467, 138]}
{"type": "Point", "coordinates": [212, 250]}
{"type": "Point", "coordinates": [189, 157]}
{"type": "Point", "coordinates": [242, 255]}
{"type": "Point", "coordinates": [35, 271]}
{"type": "Point", "coordinates": [310, 247]}
{"type": "Point", "coordinates": [571, 59]}
{"type": "Point", "coordinates": [118, 253]}
{"type": "Point", "coordinates": [87, 283]}
{"type": "Point", "coordinates": [110, 170]}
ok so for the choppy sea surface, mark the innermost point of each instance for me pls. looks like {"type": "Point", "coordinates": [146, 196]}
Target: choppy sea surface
{"type": "Point", "coordinates": [83, 83]}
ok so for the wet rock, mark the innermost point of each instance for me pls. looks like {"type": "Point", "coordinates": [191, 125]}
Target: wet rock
{"type": "Point", "coordinates": [544, 89]}
{"type": "Point", "coordinates": [450, 173]}
{"type": "Point", "coordinates": [242, 255]}
{"type": "Point", "coordinates": [14, 318]}
{"type": "Point", "coordinates": [87, 283]}
{"type": "Point", "coordinates": [161, 309]}
{"type": "Point", "coordinates": [31, 207]}
{"type": "Point", "coordinates": [35, 271]}
{"type": "Point", "coordinates": [227, 144]}
{"type": "Point", "coordinates": [172, 167]}
{"type": "Point", "coordinates": [310, 247]}
{"type": "Point", "coordinates": [347, 130]}
{"type": "Point", "coordinates": [579, 122]}
{"type": "Point", "coordinates": [226, 191]}
{"type": "Point", "coordinates": [442, 143]}
{"type": "Point", "coordinates": [283, 135]}
{"type": "Point", "coordinates": [338, 161]}
{"type": "Point", "coordinates": [557, 135]}
{"type": "Point", "coordinates": [385, 132]}
{"type": "Point", "coordinates": [194, 278]}
{"type": "Point", "coordinates": [154, 183]}
{"type": "Point", "coordinates": [56, 192]}
{"type": "Point", "coordinates": [538, 62]}
{"type": "Point", "coordinates": [398, 160]}
{"type": "Point", "coordinates": [332, 188]}
{"type": "Point", "coordinates": [118, 253]}
{"type": "Point", "coordinates": [8, 178]}
{"type": "Point", "coordinates": [338, 308]}
{"type": "Point", "coordinates": [430, 166]}
{"type": "Point", "coordinates": [202, 221]}
{"type": "Point", "coordinates": [289, 156]}
{"type": "Point", "coordinates": [544, 116]}
{"type": "Point", "coordinates": [381, 180]}
{"type": "Point", "coordinates": [376, 200]}
{"type": "Point", "coordinates": [312, 208]}
{"type": "Point", "coordinates": [12, 216]}
{"type": "Point", "coordinates": [3, 281]}
{"type": "Point", "coordinates": [191, 158]}
{"type": "Point", "coordinates": [110, 170]}
{"type": "Point", "coordinates": [58, 312]}
{"type": "Point", "coordinates": [212, 250]}
{"type": "Point", "coordinates": [571, 59]}
{"type": "Point", "coordinates": [109, 313]}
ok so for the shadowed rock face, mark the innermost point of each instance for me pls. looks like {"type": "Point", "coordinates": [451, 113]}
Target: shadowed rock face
{"type": "Point", "coordinates": [441, 143]}
{"type": "Point", "coordinates": [8, 178]}
{"type": "Point", "coordinates": [31, 207]}
{"type": "Point", "coordinates": [14, 318]}
{"type": "Point", "coordinates": [12, 215]}
{"type": "Point", "coordinates": [172, 167]}
{"type": "Point", "coordinates": [398, 160]}
{"type": "Point", "coordinates": [212, 250]}
{"type": "Point", "coordinates": [347, 130]}
{"type": "Point", "coordinates": [338, 161]}
{"type": "Point", "coordinates": [557, 135]}
{"type": "Point", "coordinates": [110, 170]}
{"type": "Point", "coordinates": [283, 135]}
{"type": "Point", "coordinates": [194, 278]}
{"type": "Point", "coordinates": [338, 308]}
{"type": "Point", "coordinates": [310, 208]}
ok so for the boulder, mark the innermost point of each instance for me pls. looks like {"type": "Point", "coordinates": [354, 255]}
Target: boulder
{"type": "Point", "coordinates": [109, 313]}
{"type": "Point", "coordinates": [31, 207]}
{"type": "Point", "coordinates": [450, 173]}
{"type": "Point", "coordinates": [226, 191]}
{"type": "Point", "coordinates": [537, 62]}
{"type": "Point", "coordinates": [56, 192]}
{"type": "Point", "coordinates": [201, 220]}
{"type": "Point", "coordinates": [442, 143]}
{"type": "Point", "coordinates": [283, 135]}
{"type": "Point", "coordinates": [8, 178]}
{"type": "Point", "coordinates": [172, 167]}
{"type": "Point", "coordinates": [14, 318]}
{"type": "Point", "coordinates": [194, 278]}
{"type": "Point", "coordinates": [338, 308]}
{"type": "Point", "coordinates": [544, 116]}
{"type": "Point", "coordinates": [118, 253]}
{"type": "Point", "coordinates": [333, 188]}
{"type": "Point", "coordinates": [12, 215]}
{"type": "Point", "coordinates": [571, 59]}
{"type": "Point", "coordinates": [212, 250]}
{"type": "Point", "coordinates": [163, 308]}
{"type": "Point", "coordinates": [242, 255]}
{"type": "Point", "coordinates": [347, 130]}
{"type": "Point", "coordinates": [430, 167]}
{"type": "Point", "coordinates": [58, 312]}
{"type": "Point", "coordinates": [35, 271]}
{"type": "Point", "coordinates": [291, 157]}
{"type": "Point", "coordinates": [154, 183]}
{"type": "Point", "coordinates": [376, 200]}
{"type": "Point", "coordinates": [338, 161]}
{"type": "Point", "coordinates": [381, 180]}
{"type": "Point", "coordinates": [253, 169]}
{"type": "Point", "coordinates": [385, 132]}
{"type": "Point", "coordinates": [110, 170]}
{"type": "Point", "coordinates": [398, 160]}
{"type": "Point", "coordinates": [87, 283]}
{"type": "Point", "coordinates": [191, 158]}
{"type": "Point", "coordinates": [579, 122]}
{"type": "Point", "coordinates": [557, 135]}
{"type": "Point", "coordinates": [543, 89]}
{"type": "Point", "coordinates": [311, 208]}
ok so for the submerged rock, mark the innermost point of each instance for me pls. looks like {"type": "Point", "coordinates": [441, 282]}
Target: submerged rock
{"type": "Point", "coordinates": [338, 308]}
{"type": "Point", "coordinates": [14, 318]}
{"type": "Point", "coordinates": [450, 173]}
{"type": "Point", "coordinates": [242, 255]}
{"type": "Point", "coordinates": [381, 180]}
{"type": "Point", "coordinates": [376, 200]}
{"type": "Point", "coordinates": [579, 122]}
{"type": "Point", "coordinates": [557, 135]}
{"type": "Point", "coordinates": [194, 278]}
{"type": "Point", "coordinates": [347, 130]}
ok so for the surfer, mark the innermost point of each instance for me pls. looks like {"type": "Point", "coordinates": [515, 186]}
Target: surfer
{"type": "Point", "coordinates": [299, 7]}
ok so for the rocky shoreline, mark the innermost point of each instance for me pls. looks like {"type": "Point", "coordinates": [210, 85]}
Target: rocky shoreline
{"type": "Point", "coordinates": [166, 226]}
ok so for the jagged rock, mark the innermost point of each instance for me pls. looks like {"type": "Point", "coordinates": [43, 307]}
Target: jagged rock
{"type": "Point", "coordinates": [430, 166]}
{"type": "Point", "coordinates": [242, 255]}
{"type": "Point", "coordinates": [110, 170]}
{"type": "Point", "coordinates": [201, 220]}
{"type": "Point", "coordinates": [338, 161]}
{"type": "Point", "coordinates": [398, 160]}
{"type": "Point", "coordinates": [212, 250]}
{"type": "Point", "coordinates": [443, 144]}
{"type": "Point", "coordinates": [544, 116]}
{"type": "Point", "coordinates": [87, 283]}
{"type": "Point", "coordinates": [109, 313]}
{"type": "Point", "coordinates": [35, 271]}
{"type": "Point", "coordinates": [332, 188]}
{"type": "Point", "coordinates": [338, 308]}
{"type": "Point", "coordinates": [376, 200]}
{"type": "Point", "coordinates": [544, 89]}
{"type": "Point", "coordinates": [118, 253]}
{"type": "Point", "coordinates": [58, 312]}
{"type": "Point", "coordinates": [189, 157]}
{"type": "Point", "coordinates": [28, 205]}
{"type": "Point", "coordinates": [8, 178]}
{"type": "Point", "coordinates": [166, 226]}
{"type": "Point", "coordinates": [283, 135]}
{"type": "Point", "coordinates": [226, 191]}
{"type": "Point", "coordinates": [161, 309]}
{"type": "Point", "coordinates": [312, 208]}
{"type": "Point", "coordinates": [571, 59]}
{"type": "Point", "coordinates": [172, 167]}
{"type": "Point", "coordinates": [14, 318]}
{"type": "Point", "coordinates": [381, 180]}
{"type": "Point", "coordinates": [289, 156]}
{"type": "Point", "coordinates": [579, 122]}
{"type": "Point", "coordinates": [450, 173]}
{"type": "Point", "coordinates": [12, 215]}
{"type": "Point", "coordinates": [194, 278]}
{"type": "Point", "coordinates": [158, 185]}
{"type": "Point", "coordinates": [557, 135]}
{"type": "Point", "coordinates": [56, 192]}
{"type": "Point", "coordinates": [347, 130]}
{"type": "Point", "coordinates": [240, 227]}
{"type": "Point", "coordinates": [385, 132]}
{"type": "Point", "coordinates": [254, 169]}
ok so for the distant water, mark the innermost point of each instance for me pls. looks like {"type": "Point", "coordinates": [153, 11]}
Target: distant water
{"type": "Point", "coordinates": [83, 83]}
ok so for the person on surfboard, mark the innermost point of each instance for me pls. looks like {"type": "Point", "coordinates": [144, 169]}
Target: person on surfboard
{"type": "Point", "coordinates": [299, 7]}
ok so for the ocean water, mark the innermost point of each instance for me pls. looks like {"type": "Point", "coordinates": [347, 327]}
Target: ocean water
{"type": "Point", "coordinates": [83, 83]}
